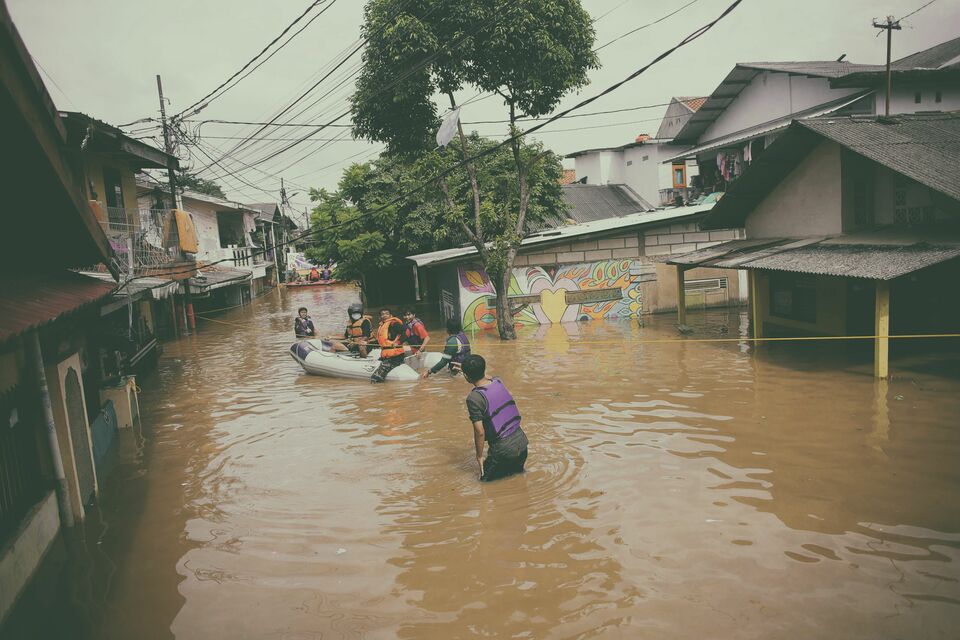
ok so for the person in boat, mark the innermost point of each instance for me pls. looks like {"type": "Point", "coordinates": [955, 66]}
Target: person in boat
{"type": "Point", "coordinates": [325, 274]}
{"type": "Point", "coordinates": [414, 332]}
{"type": "Point", "coordinates": [358, 332]}
{"type": "Point", "coordinates": [392, 351]}
{"type": "Point", "coordinates": [455, 351]}
{"type": "Point", "coordinates": [303, 325]}
{"type": "Point", "coordinates": [495, 420]}
{"type": "Point", "coordinates": [314, 275]}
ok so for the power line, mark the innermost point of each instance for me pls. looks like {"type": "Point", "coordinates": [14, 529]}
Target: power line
{"type": "Point", "coordinates": [649, 24]}
{"type": "Point", "coordinates": [916, 10]}
{"type": "Point", "coordinates": [202, 100]}
{"type": "Point", "coordinates": [423, 185]}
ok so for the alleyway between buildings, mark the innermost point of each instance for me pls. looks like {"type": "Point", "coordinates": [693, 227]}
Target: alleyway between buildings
{"type": "Point", "coordinates": [689, 489]}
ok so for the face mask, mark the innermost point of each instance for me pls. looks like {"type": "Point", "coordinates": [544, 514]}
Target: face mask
{"type": "Point", "coordinates": [354, 316]}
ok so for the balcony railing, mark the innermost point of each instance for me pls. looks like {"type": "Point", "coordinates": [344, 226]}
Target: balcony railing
{"type": "Point", "coordinates": [243, 256]}
{"type": "Point", "coordinates": [143, 239]}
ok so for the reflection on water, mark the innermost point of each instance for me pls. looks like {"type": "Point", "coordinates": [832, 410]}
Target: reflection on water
{"type": "Point", "coordinates": [674, 489]}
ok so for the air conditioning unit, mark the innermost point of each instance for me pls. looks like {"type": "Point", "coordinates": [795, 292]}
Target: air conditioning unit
{"type": "Point", "coordinates": [125, 402]}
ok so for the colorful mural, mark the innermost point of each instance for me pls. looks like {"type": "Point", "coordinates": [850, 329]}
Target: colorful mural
{"type": "Point", "coordinates": [550, 295]}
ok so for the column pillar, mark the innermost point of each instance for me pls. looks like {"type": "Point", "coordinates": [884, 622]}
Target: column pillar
{"type": "Point", "coordinates": [881, 319]}
{"type": "Point", "coordinates": [755, 305]}
{"type": "Point", "coordinates": [681, 296]}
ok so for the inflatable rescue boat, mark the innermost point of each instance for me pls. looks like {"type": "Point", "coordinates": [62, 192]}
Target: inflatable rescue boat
{"type": "Point", "coordinates": [315, 361]}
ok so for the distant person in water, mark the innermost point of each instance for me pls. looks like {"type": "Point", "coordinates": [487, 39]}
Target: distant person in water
{"type": "Point", "coordinates": [496, 421]}
{"type": "Point", "coordinates": [314, 275]}
{"type": "Point", "coordinates": [303, 325]}
{"type": "Point", "coordinates": [454, 352]}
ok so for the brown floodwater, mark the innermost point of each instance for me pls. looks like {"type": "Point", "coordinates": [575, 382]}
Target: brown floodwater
{"type": "Point", "coordinates": [675, 489]}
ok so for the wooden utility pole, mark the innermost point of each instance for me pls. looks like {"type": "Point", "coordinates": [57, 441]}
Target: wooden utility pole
{"type": "Point", "coordinates": [889, 25]}
{"type": "Point", "coordinates": [167, 145]}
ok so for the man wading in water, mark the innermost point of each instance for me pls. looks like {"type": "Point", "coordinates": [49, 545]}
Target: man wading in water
{"type": "Point", "coordinates": [496, 419]}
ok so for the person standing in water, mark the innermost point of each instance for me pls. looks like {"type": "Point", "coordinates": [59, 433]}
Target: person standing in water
{"type": "Point", "coordinates": [454, 352]}
{"type": "Point", "coordinates": [496, 421]}
{"type": "Point", "coordinates": [303, 325]}
{"type": "Point", "coordinates": [389, 335]}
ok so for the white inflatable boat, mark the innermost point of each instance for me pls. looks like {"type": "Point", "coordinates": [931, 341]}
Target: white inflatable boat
{"type": "Point", "coordinates": [316, 361]}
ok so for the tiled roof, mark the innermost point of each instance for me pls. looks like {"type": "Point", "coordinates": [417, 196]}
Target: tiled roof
{"type": "Point", "coordinates": [590, 202]}
{"type": "Point", "coordinates": [945, 54]}
{"type": "Point", "coordinates": [32, 300]}
{"type": "Point", "coordinates": [922, 146]}
{"type": "Point", "coordinates": [693, 104]}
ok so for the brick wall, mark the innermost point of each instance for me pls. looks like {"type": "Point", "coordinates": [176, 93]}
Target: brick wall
{"type": "Point", "coordinates": [618, 247]}
{"type": "Point", "coordinates": [684, 237]}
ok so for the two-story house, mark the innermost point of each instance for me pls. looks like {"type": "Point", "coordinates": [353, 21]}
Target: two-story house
{"type": "Point", "coordinates": [852, 229]}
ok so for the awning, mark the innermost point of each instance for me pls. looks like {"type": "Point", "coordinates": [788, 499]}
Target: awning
{"type": "Point", "coordinates": [216, 277]}
{"type": "Point", "coordinates": [31, 301]}
{"type": "Point", "coordinates": [140, 287]}
{"type": "Point", "coordinates": [875, 256]}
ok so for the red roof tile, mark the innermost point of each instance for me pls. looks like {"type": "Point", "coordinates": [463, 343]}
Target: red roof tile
{"type": "Point", "coordinates": [569, 176]}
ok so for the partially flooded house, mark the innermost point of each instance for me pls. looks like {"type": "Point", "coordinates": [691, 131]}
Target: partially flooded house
{"type": "Point", "coordinates": [852, 229]}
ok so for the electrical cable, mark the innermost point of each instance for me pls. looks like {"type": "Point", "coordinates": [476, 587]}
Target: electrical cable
{"type": "Point", "coordinates": [423, 185]}
{"type": "Point", "coordinates": [254, 59]}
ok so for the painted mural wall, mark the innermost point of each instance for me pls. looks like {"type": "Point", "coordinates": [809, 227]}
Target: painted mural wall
{"type": "Point", "coordinates": [550, 295]}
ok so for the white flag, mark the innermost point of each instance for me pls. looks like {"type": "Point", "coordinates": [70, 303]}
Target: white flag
{"type": "Point", "coordinates": [448, 128]}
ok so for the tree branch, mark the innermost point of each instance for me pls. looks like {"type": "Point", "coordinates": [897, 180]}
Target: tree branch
{"type": "Point", "coordinates": [472, 172]}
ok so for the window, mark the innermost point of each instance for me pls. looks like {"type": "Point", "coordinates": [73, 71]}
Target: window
{"type": "Point", "coordinates": [629, 163]}
{"type": "Point", "coordinates": [917, 97]}
{"type": "Point", "coordinates": [679, 176]}
{"type": "Point", "coordinates": [938, 96]}
{"type": "Point", "coordinates": [793, 297]}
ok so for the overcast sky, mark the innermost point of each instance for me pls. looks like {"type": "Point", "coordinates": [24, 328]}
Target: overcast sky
{"type": "Point", "coordinates": [101, 57]}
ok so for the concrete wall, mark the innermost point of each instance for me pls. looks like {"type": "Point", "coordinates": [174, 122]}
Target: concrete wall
{"type": "Point", "coordinates": [675, 117]}
{"type": "Point", "coordinates": [770, 96]}
{"type": "Point", "coordinates": [93, 166]}
{"type": "Point", "coordinates": [20, 557]}
{"type": "Point", "coordinates": [641, 168]}
{"type": "Point", "coordinates": [205, 223]}
{"type": "Point", "coordinates": [903, 98]}
{"type": "Point", "coordinates": [588, 166]}
{"type": "Point", "coordinates": [684, 237]}
{"type": "Point", "coordinates": [806, 203]}
{"type": "Point", "coordinates": [831, 309]}
{"type": "Point", "coordinates": [617, 247]}
{"type": "Point", "coordinates": [660, 292]}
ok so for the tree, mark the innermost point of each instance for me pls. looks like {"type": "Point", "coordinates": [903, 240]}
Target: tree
{"type": "Point", "coordinates": [529, 52]}
{"type": "Point", "coordinates": [354, 227]}
{"type": "Point", "coordinates": [197, 184]}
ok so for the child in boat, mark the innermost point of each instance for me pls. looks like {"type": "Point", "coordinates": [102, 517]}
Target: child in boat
{"type": "Point", "coordinates": [496, 421]}
{"type": "Point", "coordinates": [303, 325]}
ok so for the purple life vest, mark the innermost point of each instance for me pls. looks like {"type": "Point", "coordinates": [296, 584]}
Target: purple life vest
{"type": "Point", "coordinates": [463, 351]}
{"type": "Point", "coordinates": [502, 417]}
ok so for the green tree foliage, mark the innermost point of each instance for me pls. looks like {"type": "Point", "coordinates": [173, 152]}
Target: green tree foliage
{"type": "Point", "coordinates": [197, 184]}
{"type": "Point", "coordinates": [529, 52]}
{"type": "Point", "coordinates": [362, 242]}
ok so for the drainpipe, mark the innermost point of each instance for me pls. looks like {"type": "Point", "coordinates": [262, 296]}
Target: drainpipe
{"type": "Point", "coordinates": [60, 478]}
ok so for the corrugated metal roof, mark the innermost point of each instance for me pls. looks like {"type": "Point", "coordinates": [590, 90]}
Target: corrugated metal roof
{"type": "Point", "coordinates": [817, 68]}
{"type": "Point", "coordinates": [571, 231]}
{"type": "Point", "coordinates": [851, 257]}
{"type": "Point", "coordinates": [215, 276]}
{"type": "Point", "coordinates": [141, 286]}
{"type": "Point", "coordinates": [31, 301]}
{"type": "Point", "coordinates": [921, 146]}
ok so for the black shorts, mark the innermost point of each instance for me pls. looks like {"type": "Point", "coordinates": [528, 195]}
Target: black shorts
{"type": "Point", "coordinates": [505, 457]}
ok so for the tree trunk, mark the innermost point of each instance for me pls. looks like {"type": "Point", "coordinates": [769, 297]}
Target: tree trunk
{"type": "Point", "coordinates": [504, 316]}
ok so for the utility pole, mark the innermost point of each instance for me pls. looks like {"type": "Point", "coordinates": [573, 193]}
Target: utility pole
{"type": "Point", "coordinates": [889, 25]}
{"type": "Point", "coordinates": [167, 145]}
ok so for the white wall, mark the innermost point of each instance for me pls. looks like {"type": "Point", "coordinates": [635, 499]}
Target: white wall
{"type": "Point", "coordinates": [806, 203]}
{"type": "Point", "coordinates": [204, 216]}
{"type": "Point", "coordinates": [770, 96]}
{"type": "Point", "coordinates": [588, 166]}
{"type": "Point", "coordinates": [902, 98]}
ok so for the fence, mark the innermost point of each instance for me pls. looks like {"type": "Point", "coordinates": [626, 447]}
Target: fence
{"type": "Point", "coordinates": [143, 238]}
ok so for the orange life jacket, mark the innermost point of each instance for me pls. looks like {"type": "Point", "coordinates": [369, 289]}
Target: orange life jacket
{"type": "Point", "coordinates": [355, 328]}
{"type": "Point", "coordinates": [388, 348]}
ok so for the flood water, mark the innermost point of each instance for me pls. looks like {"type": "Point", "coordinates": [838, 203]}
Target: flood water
{"type": "Point", "coordinates": [675, 489]}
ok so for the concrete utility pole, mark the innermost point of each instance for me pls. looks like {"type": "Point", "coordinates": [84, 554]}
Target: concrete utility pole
{"type": "Point", "coordinates": [167, 145]}
{"type": "Point", "coordinates": [889, 25]}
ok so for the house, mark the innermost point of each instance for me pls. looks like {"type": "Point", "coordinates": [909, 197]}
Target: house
{"type": "Point", "coordinates": [757, 101]}
{"type": "Point", "coordinates": [273, 228]}
{"type": "Point", "coordinates": [852, 228]}
{"type": "Point", "coordinates": [233, 265]}
{"type": "Point", "coordinates": [49, 378]}
{"type": "Point", "coordinates": [639, 164]}
{"type": "Point", "coordinates": [598, 268]}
